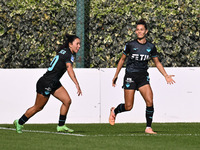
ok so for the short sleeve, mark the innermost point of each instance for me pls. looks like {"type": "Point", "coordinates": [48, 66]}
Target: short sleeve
{"type": "Point", "coordinates": [69, 59]}
{"type": "Point", "coordinates": [66, 57]}
{"type": "Point", "coordinates": [126, 49]}
{"type": "Point", "coordinates": [154, 52]}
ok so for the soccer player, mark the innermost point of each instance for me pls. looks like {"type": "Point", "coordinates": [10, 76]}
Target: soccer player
{"type": "Point", "coordinates": [49, 84]}
{"type": "Point", "coordinates": [138, 52]}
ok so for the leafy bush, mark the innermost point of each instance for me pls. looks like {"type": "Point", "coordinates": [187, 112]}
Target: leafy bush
{"type": "Point", "coordinates": [173, 28]}
{"type": "Point", "coordinates": [31, 30]}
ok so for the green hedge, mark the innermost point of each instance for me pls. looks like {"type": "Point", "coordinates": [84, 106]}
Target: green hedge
{"type": "Point", "coordinates": [31, 30]}
{"type": "Point", "coordinates": [173, 26]}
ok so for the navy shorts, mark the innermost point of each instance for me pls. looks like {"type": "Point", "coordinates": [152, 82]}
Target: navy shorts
{"type": "Point", "coordinates": [135, 80]}
{"type": "Point", "coordinates": [46, 88]}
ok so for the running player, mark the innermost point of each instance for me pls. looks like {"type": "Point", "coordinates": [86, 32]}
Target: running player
{"type": "Point", "coordinates": [139, 52]}
{"type": "Point", "coordinates": [49, 84]}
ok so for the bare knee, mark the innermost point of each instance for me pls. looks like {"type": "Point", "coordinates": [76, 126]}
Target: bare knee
{"type": "Point", "coordinates": [67, 102]}
{"type": "Point", "coordinates": [128, 107]}
{"type": "Point", "coordinates": [37, 109]}
{"type": "Point", "coordinates": [149, 103]}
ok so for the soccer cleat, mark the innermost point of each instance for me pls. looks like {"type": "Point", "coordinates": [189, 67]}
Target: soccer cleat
{"type": "Point", "coordinates": [64, 129]}
{"type": "Point", "coordinates": [18, 126]}
{"type": "Point", "coordinates": [149, 130]}
{"type": "Point", "coordinates": [112, 116]}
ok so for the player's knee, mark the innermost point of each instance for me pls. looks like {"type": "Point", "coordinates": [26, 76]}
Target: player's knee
{"type": "Point", "coordinates": [68, 102]}
{"type": "Point", "coordinates": [128, 107]}
{"type": "Point", "coordinates": [149, 103]}
{"type": "Point", "coordinates": [39, 108]}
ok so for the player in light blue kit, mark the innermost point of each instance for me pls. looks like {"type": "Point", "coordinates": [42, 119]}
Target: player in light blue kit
{"type": "Point", "coordinates": [138, 52]}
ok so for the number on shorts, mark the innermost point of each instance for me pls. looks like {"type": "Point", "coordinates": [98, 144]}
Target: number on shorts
{"type": "Point", "coordinates": [53, 63]}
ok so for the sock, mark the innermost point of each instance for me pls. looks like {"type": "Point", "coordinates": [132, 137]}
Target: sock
{"type": "Point", "coordinates": [149, 115]}
{"type": "Point", "coordinates": [23, 120]}
{"type": "Point", "coordinates": [62, 120]}
{"type": "Point", "coordinates": [120, 108]}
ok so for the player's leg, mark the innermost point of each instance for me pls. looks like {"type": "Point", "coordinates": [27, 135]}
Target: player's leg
{"type": "Point", "coordinates": [64, 97]}
{"type": "Point", "coordinates": [127, 106]}
{"type": "Point", "coordinates": [40, 102]}
{"type": "Point", "coordinates": [129, 98]}
{"type": "Point", "coordinates": [38, 106]}
{"type": "Point", "coordinates": [147, 94]}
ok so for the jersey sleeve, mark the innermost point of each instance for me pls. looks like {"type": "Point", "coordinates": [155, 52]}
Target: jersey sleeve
{"type": "Point", "coordinates": [154, 52]}
{"type": "Point", "coordinates": [126, 49]}
{"type": "Point", "coordinates": [67, 58]}
{"type": "Point", "coordinates": [70, 59]}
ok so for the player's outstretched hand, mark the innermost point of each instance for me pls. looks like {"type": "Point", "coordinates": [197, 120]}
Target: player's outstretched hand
{"type": "Point", "coordinates": [169, 79]}
{"type": "Point", "coordinates": [114, 81]}
{"type": "Point", "coordinates": [79, 92]}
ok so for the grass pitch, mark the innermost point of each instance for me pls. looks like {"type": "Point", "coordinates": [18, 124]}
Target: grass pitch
{"type": "Point", "coordinates": [171, 136]}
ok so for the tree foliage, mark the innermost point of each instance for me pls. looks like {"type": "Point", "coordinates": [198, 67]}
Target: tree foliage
{"type": "Point", "coordinates": [31, 30]}
{"type": "Point", "coordinates": [174, 28]}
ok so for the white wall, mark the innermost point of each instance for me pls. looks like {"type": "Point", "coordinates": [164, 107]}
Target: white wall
{"type": "Point", "coordinates": [173, 103]}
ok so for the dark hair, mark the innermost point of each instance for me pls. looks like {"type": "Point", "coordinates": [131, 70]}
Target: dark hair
{"type": "Point", "coordinates": [67, 39]}
{"type": "Point", "coordinates": [141, 21]}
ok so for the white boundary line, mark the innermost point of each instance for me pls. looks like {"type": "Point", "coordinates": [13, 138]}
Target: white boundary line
{"type": "Point", "coordinates": [99, 135]}
{"type": "Point", "coordinates": [48, 132]}
{"type": "Point", "coordinates": [144, 134]}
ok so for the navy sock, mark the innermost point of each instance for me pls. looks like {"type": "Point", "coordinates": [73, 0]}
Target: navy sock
{"type": "Point", "coordinates": [149, 115]}
{"type": "Point", "coordinates": [62, 120]}
{"type": "Point", "coordinates": [23, 120]}
{"type": "Point", "coordinates": [120, 108]}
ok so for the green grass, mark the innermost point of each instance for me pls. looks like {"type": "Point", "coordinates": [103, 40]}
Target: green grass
{"type": "Point", "coordinates": [171, 136]}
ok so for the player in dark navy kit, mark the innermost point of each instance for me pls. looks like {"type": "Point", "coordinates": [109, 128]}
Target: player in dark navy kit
{"type": "Point", "coordinates": [138, 52]}
{"type": "Point", "coordinates": [49, 84]}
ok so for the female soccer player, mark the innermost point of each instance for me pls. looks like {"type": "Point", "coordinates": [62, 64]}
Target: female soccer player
{"type": "Point", "coordinates": [49, 84]}
{"type": "Point", "coordinates": [139, 52]}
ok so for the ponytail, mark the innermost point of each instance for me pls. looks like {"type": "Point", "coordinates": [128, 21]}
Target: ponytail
{"type": "Point", "coordinates": [67, 39]}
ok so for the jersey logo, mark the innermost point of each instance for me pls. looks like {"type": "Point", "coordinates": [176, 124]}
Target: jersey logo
{"type": "Point", "coordinates": [47, 92]}
{"type": "Point", "coordinates": [135, 49]}
{"type": "Point", "coordinates": [148, 49]}
{"type": "Point", "coordinates": [72, 58]}
{"type": "Point", "coordinates": [129, 80]}
{"type": "Point", "coordinates": [140, 57]}
{"type": "Point", "coordinates": [148, 78]}
{"type": "Point", "coordinates": [62, 52]}
{"type": "Point", "coordinates": [127, 85]}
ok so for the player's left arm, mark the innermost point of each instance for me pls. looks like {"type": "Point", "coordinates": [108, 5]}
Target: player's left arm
{"type": "Point", "coordinates": [73, 77]}
{"type": "Point", "coordinates": [160, 67]}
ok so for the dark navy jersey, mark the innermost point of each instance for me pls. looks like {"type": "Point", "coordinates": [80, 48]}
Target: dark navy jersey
{"type": "Point", "coordinates": [138, 55]}
{"type": "Point", "coordinates": [58, 65]}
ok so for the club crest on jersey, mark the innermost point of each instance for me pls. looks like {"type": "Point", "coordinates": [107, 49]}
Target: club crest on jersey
{"type": "Point", "coordinates": [72, 58]}
{"type": "Point", "coordinates": [148, 49]}
{"type": "Point", "coordinates": [135, 49]}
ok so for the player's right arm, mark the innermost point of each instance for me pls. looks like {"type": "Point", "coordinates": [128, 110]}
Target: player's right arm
{"type": "Point", "coordinates": [73, 77]}
{"type": "Point", "coordinates": [119, 67]}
